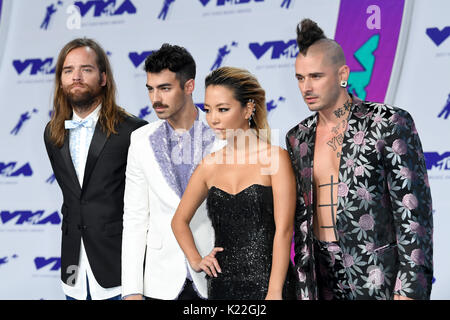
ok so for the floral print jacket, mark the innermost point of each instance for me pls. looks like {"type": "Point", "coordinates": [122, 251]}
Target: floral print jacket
{"type": "Point", "coordinates": [384, 213]}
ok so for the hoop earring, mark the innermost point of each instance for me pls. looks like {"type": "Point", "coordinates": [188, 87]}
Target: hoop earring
{"type": "Point", "coordinates": [343, 84]}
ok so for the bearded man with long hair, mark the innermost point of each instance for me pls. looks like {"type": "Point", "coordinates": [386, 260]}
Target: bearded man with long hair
{"type": "Point", "coordinates": [87, 141]}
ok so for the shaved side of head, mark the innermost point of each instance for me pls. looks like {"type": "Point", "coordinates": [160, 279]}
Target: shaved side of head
{"type": "Point", "coordinates": [312, 40]}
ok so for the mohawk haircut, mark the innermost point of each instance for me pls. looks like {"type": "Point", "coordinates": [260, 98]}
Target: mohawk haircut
{"type": "Point", "coordinates": [308, 32]}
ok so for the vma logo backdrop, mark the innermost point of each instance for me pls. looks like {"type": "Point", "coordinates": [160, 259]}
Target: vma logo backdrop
{"type": "Point", "coordinates": [11, 170]}
{"type": "Point", "coordinates": [49, 13]}
{"type": "Point", "coordinates": [138, 58]}
{"type": "Point", "coordinates": [23, 118]}
{"type": "Point", "coordinates": [438, 36]}
{"type": "Point", "coordinates": [436, 161]}
{"type": "Point", "coordinates": [5, 260]}
{"type": "Point", "coordinates": [102, 8]}
{"type": "Point", "coordinates": [35, 66]}
{"type": "Point", "coordinates": [165, 9]}
{"type": "Point", "coordinates": [144, 112]}
{"type": "Point", "coordinates": [278, 49]}
{"type": "Point", "coordinates": [221, 54]}
{"type": "Point", "coordinates": [227, 2]}
{"type": "Point", "coordinates": [28, 217]}
{"type": "Point", "coordinates": [54, 263]}
{"type": "Point", "coordinates": [446, 111]}
{"type": "Point", "coordinates": [272, 104]}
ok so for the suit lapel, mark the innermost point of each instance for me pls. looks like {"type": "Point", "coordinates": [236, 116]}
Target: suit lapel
{"type": "Point", "coordinates": [98, 142]}
{"type": "Point", "coordinates": [353, 142]}
{"type": "Point", "coordinates": [74, 184]}
{"type": "Point", "coordinates": [354, 137]}
{"type": "Point", "coordinates": [308, 164]}
{"type": "Point", "coordinates": [159, 140]}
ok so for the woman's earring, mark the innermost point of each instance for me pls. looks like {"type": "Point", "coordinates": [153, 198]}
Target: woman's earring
{"type": "Point", "coordinates": [344, 84]}
{"type": "Point", "coordinates": [251, 118]}
{"type": "Point", "coordinates": [253, 112]}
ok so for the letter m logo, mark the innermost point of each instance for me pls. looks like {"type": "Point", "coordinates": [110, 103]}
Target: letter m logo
{"type": "Point", "coordinates": [35, 66]}
{"type": "Point", "coordinates": [138, 58]}
{"type": "Point", "coordinates": [435, 160]}
{"type": "Point", "coordinates": [41, 262]}
{"type": "Point", "coordinates": [280, 48]}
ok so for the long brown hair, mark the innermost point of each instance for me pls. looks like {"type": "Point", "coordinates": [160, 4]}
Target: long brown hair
{"type": "Point", "coordinates": [245, 88]}
{"type": "Point", "coordinates": [110, 113]}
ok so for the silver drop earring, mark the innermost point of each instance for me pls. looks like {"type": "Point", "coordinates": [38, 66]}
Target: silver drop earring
{"type": "Point", "coordinates": [253, 112]}
{"type": "Point", "coordinates": [344, 84]}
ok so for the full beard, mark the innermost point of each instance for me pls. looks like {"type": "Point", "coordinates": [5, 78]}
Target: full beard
{"type": "Point", "coordinates": [83, 101]}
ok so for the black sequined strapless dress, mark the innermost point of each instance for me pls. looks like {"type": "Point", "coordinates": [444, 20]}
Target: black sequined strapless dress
{"type": "Point", "coordinates": [244, 226]}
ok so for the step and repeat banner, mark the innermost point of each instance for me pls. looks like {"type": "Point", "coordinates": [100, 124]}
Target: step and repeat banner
{"type": "Point", "coordinates": [398, 51]}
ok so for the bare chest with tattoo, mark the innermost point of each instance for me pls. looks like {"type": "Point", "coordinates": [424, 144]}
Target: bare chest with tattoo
{"type": "Point", "coordinates": [327, 155]}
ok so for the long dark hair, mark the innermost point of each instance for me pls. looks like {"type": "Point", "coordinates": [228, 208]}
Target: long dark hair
{"type": "Point", "coordinates": [110, 114]}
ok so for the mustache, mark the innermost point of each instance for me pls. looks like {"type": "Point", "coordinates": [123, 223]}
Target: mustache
{"type": "Point", "coordinates": [310, 95]}
{"type": "Point", "coordinates": [78, 84]}
{"type": "Point", "coordinates": [160, 105]}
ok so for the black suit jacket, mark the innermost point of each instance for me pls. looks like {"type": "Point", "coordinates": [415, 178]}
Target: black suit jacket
{"type": "Point", "coordinates": [93, 211]}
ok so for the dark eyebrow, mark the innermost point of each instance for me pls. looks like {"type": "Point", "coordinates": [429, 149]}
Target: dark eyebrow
{"type": "Point", "coordinates": [218, 105]}
{"type": "Point", "coordinates": [83, 66]}
{"type": "Point", "coordinates": [159, 86]}
{"type": "Point", "coordinates": [164, 85]}
{"type": "Point", "coordinates": [310, 74]}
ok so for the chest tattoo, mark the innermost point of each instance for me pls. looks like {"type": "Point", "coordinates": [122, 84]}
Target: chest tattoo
{"type": "Point", "coordinates": [336, 141]}
{"type": "Point", "coordinates": [331, 205]}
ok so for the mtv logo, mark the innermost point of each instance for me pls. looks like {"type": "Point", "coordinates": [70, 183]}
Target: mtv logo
{"type": "Point", "coordinates": [138, 58]}
{"type": "Point", "coordinates": [29, 217]}
{"type": "Point", "coordinates": [37, 66]}
{"type": "Point", "coordinates": [9, 170]}
{"type": "Point", "coordinates": [438, 36]}
{"type": "Point", "coordinates": [41, 262]}
{"type": "Point", "coordinates": [279, 49]}
{"type": "Point", "coordinates": [435, 160]}
{"type": "Point", "coordinates": [105, 7]}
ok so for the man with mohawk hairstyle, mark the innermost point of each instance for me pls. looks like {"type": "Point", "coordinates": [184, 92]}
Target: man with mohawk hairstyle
{"type": "Point", "coordinates": [363, 227]}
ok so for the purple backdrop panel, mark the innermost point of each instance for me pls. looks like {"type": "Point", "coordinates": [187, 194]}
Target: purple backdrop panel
{"type": "Point", "coordinates": [368, 31]}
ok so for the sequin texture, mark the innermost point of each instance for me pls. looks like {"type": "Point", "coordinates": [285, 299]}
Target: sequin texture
{"type": "Point", "coordinates": [244, 226]}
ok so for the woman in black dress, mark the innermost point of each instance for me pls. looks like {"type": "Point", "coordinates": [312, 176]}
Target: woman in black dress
{"type": "Point", "coordinates": [250, 193]}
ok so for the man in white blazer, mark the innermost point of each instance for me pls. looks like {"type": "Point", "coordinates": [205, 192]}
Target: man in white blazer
{"type": "Point", "coordinates": [161, 159]}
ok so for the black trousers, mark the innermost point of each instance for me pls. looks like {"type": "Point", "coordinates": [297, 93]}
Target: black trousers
{"type": "Point", "coordinates": [188, 292]}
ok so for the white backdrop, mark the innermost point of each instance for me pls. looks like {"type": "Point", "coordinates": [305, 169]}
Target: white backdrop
{"type": "Point", "coordinates": [258, 35]}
